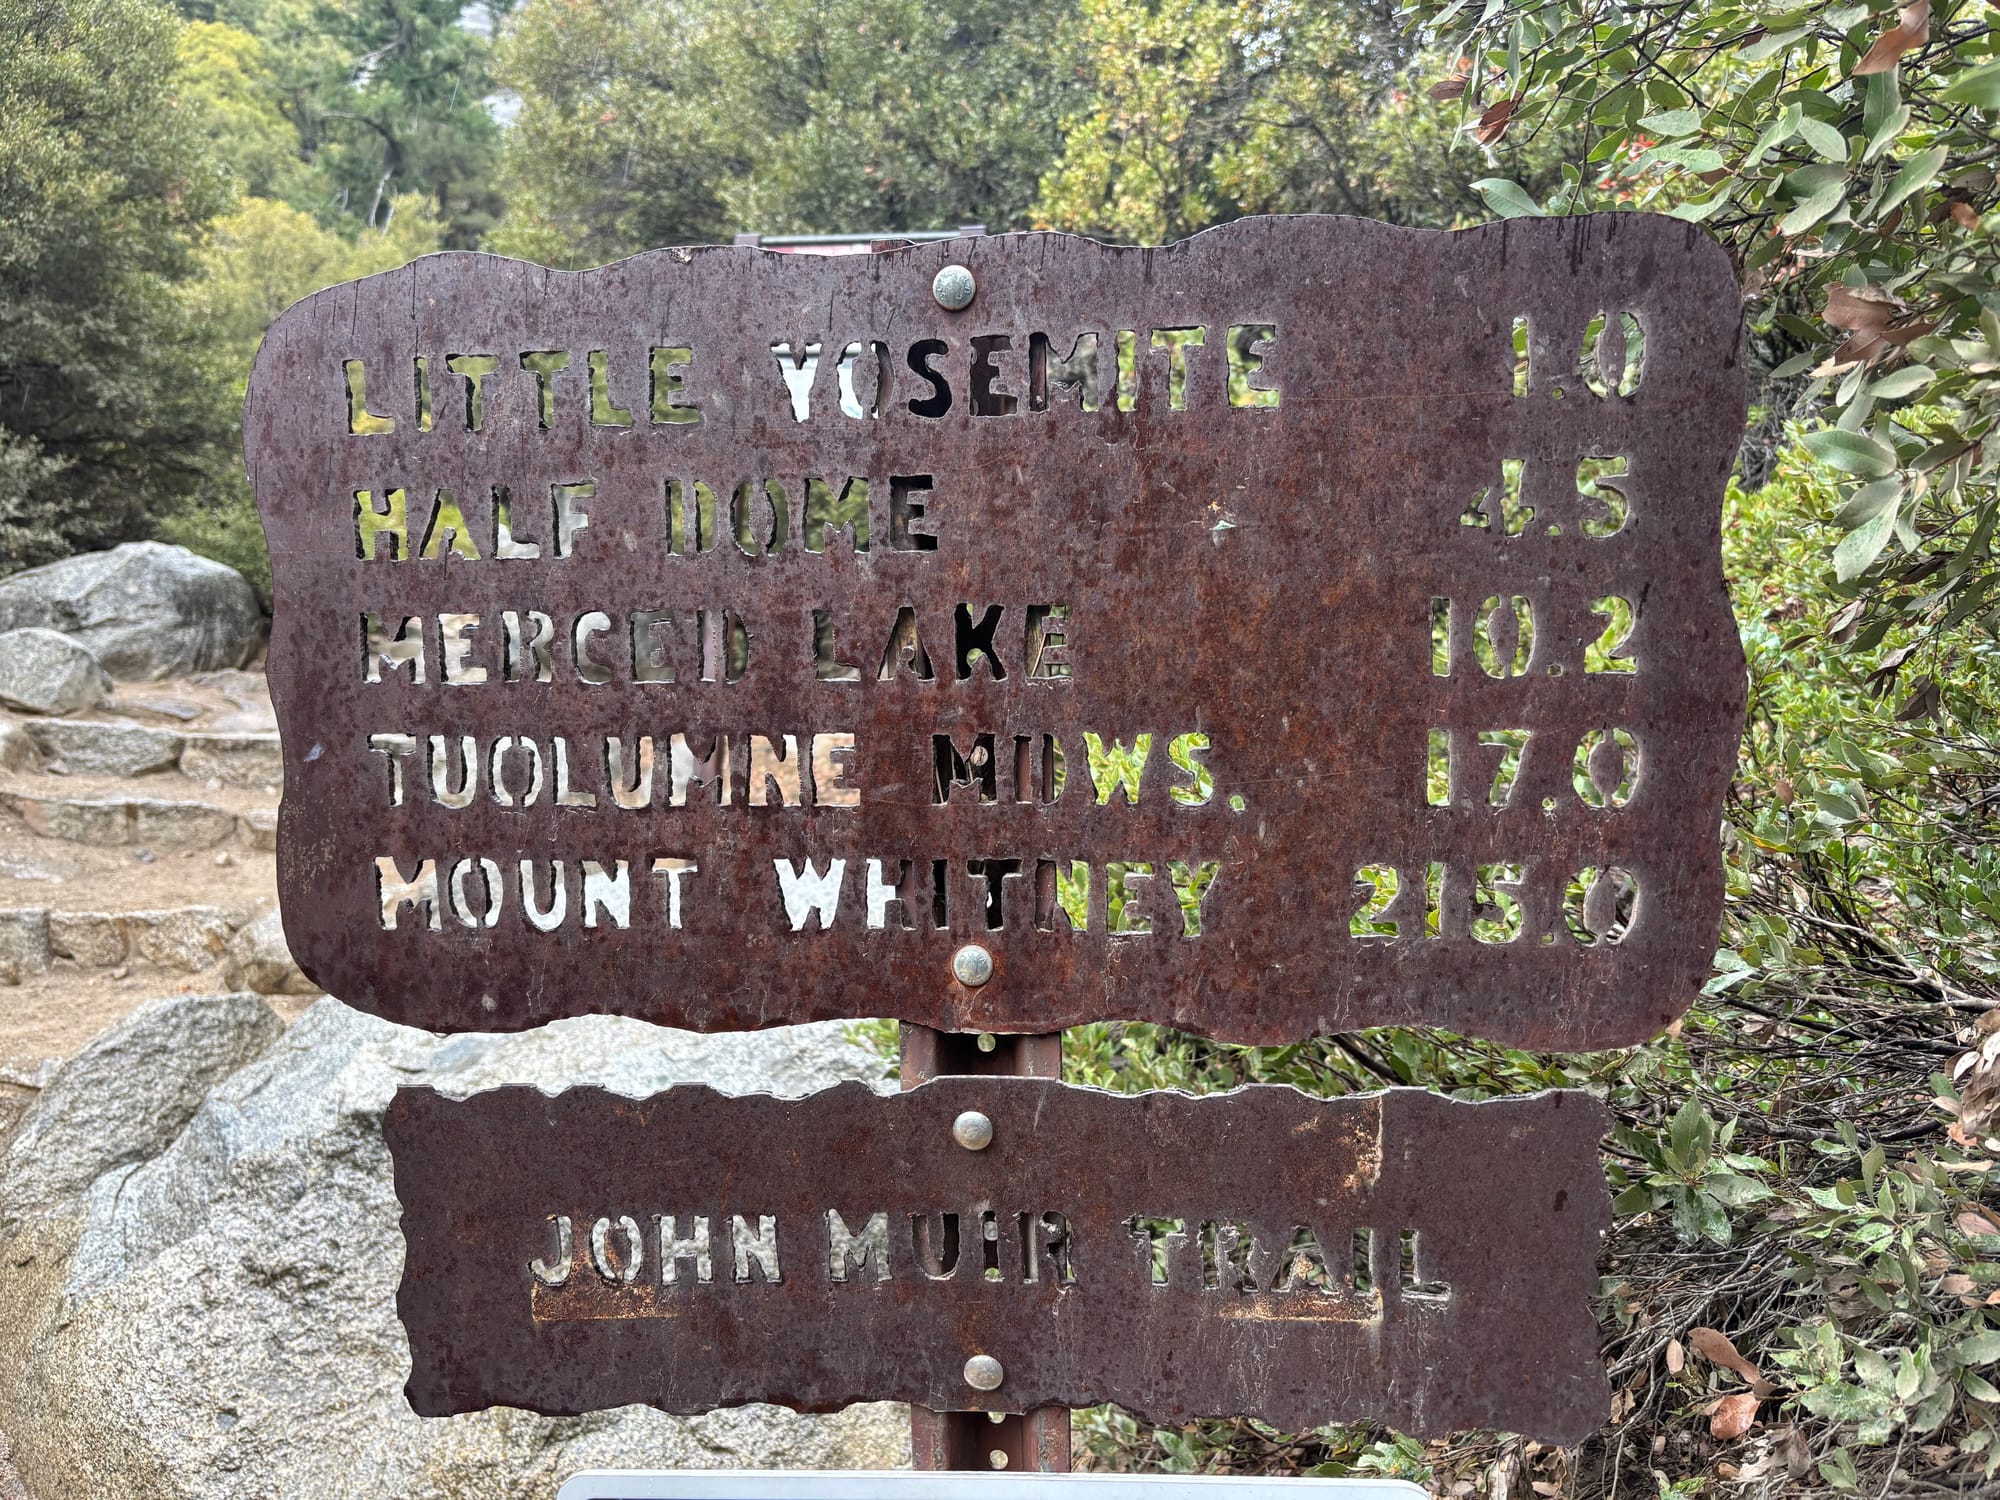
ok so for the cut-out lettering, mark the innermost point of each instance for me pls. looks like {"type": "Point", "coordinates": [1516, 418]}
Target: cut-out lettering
{"type": "Point", "coordinates": [1071, 378]}
{"type": "Point", "coordinates": [938, 402]}
{"type": "Point", "coordinates": [857, 1252]}
{"type": "Point", "coordinates": [1596, 483]}
{"type": "Point", "coordinates": [554, 1272]}
{"type": "Point", "coordinates": [1117, 768]}
{"type": "Point", "coordinates": [383, 526]}
{"type": "Point", "coordinates": [619, 1264]}
{"type": "Point", "coordinates": [1180, 345]}
{"type": "Point", "coordinates": [1192, 883]}
{"type": "Point", "coordinates": [989, 398]}
{"type": "Point", "coordinates": [1183, 750]}
{"type": "Point", "coordinates": [1607, 768]}
{"type": "Point", "coordinates": [1122, 903]}
{"type": "Point", "coordinates": [1614, 354]}
{"type": "Point", "coordinates": [473, 369]}
{"type": "Point", "coordinates": [545, 365]}
{"type": "Point", "coordinates": [1370, 919]}
{"type": "Point", "coordinates": [827, 512]}
{"type": "Point", "coordinates": [667, 371]}
{"type": "Point", "coordinates": [419, 892]}
{"type": "Point", "coordinates": [360, 420]}
{"type": "Point", "coordinates": [809, 892]}
{"type": "Point", "coordinates": [1496, 903]}
{"type": "Point", "coordinates": [604, 412]}
{"type": "Point", "coordinates": [1601, 905]}
{"type": "Point", "coordinates": [676, 1250]}
{"type": "Point", "coordinates": [1610, 651]}
{"type": "Point", "coordinates": [1249, 345]}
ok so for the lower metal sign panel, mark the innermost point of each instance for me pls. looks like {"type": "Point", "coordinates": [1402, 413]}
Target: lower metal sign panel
{"type": "Point", "coordinates": [1007, 1243]}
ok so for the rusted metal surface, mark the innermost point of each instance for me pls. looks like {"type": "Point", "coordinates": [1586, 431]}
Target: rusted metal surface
{"type": "Point", "coordinates": [1036, 1441]}
{"type": "Point", "coordinates": [1094, 1285]}
{"type": "Point", "coordinates": [1263, 576]}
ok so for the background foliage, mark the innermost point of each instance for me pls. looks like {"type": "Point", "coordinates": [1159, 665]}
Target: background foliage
{"type": "Point", "coordinates": [1802, 1294]}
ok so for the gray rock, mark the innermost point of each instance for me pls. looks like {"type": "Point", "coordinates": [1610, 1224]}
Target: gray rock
{"type": "Point", "coordinates": [88, 748]}
{"type": "Point", "coordinates": [188, 938]}
{"type": "Point", "coordinates": [108, 822]}
{"type": "Point", "coordinates": [148, 610]}
{"type": "Point", "coordinates": [161, 824]}
{"type": "Point", "coordinates": [46, 672]}
{"type": "Point", "coordinates": [248, 760]}
{"type": "Point", "coordinates": [260, 828]}
{"type": "Point", "coordinates": [260, 961]}
{"type": "Point", "coordinates": [127, 1096]}
{"type": "Point", "coordinates": [18, 750]}
{"type": "Point", "coordinates": [95, 939]}
{"type": "Point", "coordinates": [24, 943]}
{"type": "Point", "coordinates": [220, 1321]}
{"type": "Point", "coordinates": [76, 820]}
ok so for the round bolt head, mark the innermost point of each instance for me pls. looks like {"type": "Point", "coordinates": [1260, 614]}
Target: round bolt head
{"type": "Point", "coordinates": [983, 1373]}
{"type": "Point", "coordinates": [972, 965]}
{"type": "Point", "coordinates": [972, 1130]}
{"type": "Point", "coordinates": [953, 287]}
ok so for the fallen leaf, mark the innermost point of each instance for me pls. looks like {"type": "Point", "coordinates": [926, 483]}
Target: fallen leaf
{"type": "Point", "coordinates": [1860, 307]}
{"type": "Point", "coordinates": [1676, 1356]}
{"type": "Point", "coordinates": [1727, 1471]}
{"type": "Point", "coordinates": [1543, 1487]}
{"type": "Point", "coordinates": [1972, 1221]}
{"type": "Point", "coordinates": [1977, 1077]}
{"type": "Point", "coordinates": [1911, 31]}
{"type": "Point", "coordinates": [1733, 1416]}
{"type": "Point", "coordinates": [1717, 1350]}
{"type": "Point", "coordinates": [1955, 1285]}
{"type": "Point", "coordinates": [1798, 1457]}
{"type": "Point", "coordinates": [1493, 124]}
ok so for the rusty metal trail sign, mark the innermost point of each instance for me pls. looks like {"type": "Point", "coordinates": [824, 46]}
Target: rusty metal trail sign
{"type": "Point", "coordinates": [1311, 625]}
{"type": "Point", "coordinates": [1260, 1251]}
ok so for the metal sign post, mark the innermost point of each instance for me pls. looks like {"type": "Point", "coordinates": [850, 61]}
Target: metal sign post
{"type": "Point", "coordinates": [1037, 1441]}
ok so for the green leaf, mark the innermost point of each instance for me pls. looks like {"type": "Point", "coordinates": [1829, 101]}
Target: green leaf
{"type": "Point", "coordinates": [1694, 211]}
{"type": "Point", "coordinates": [1890, 129]}
{"type": "Point", "coordinates": [1979, 88]}
{"type": "Point", "coordinates": [1851, 452]}
{"type": "Point", "coordinates": [1867, 502]}
{"type": "Point", "coordinates": [1672, 122]}
{"type": "Point", "coordinates": [1713, 1220]}
{"type": "Point", "coordinates": [1845, 1403]}
{"type": "Point", "coordinates": [1905, 382]}
{"type": "Point", "coordinates": [1507, 199]}
{"type": "Point", "coordinates": [1733, 1190]}
{"type": "Point", "coordinates": [1775, 134]}
{"type": "Point", "coordinates": [1931, 1412]}
{"type": "Point", "coordinates": [1869, 1367]}
{"type": "Point", "coordinates": [1978, 1388]}
{"type": "Point", "coordinates": [1916, 173]}
{"type": "Point", "coordinates": [1690, 1132]}
{"type": "Point", "coordinates": [1909, 1377]}
{"type": "Point", "coordinates": [1860, 547]}
{"type": "Point", "coordinates": [1693, 158]}
{"type": "Point", "coordinates": [1816, 205]}
{"type": "Point", "coordinates": [1636, 1199]}
{"type": "Point", "coordinates": [1980, 1349]}
{"type": "Point", "coordinates": [1823, 138]}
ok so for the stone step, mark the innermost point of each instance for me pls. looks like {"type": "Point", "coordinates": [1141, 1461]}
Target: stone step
{"type": "Point", "coordinates": [95, 747]}
{"type": "Point", "coordinates": [184, 939]}
{"type": "Point", "coordinates": [147, 822]}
